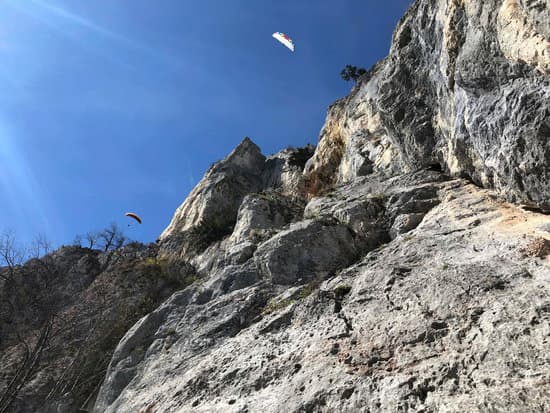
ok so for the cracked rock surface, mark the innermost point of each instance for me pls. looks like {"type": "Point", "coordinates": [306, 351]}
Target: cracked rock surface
{"type": "Point", "coordinates": [465, 87]}
{"type": "Point", "coordinates": [451, 314]}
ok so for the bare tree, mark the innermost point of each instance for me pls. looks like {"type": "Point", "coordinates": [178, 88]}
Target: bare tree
{"type": "Point", "coordinates": [40, 247]}
{"type": "Point", "coordinates": [78, 241]}
{"type": "Point", "coordinates": [35, 327]}
{"type": "Point", "coordinates": [20, 296]}
{"type": "Point", "coordinates": [91, 238]}
{"type": "Point", "coordinates": [32, 355]}
{"type": "Point", "coordinates": [11, 255]}
{"type": "Point", "coordinates": [108, 239]}
{"type": "Point", "coordinates": [111, 238]}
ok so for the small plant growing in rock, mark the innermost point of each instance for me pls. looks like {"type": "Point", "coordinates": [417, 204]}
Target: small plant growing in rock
{"type": "Point", "coordinates": [274, 306]}
{"type": "Point", "coordinates": [308, 289]}
{"type": "Point", "coordinates": [269, 196]}
{"type": "Point", "coordinates": [342, 290]}
{"type": "Point", "coordinates": [146, 306]}
{"type": "Point", "coordinates": [206, 233]}
{"type": "Point", "coordinates": [152, 267]}
{"type": "Point", "coordinates": [379, 196]}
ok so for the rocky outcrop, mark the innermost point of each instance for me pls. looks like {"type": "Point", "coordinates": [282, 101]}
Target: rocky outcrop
{"type": "Point", "coordinates": [306, 251]}
{"type": "Point", "coordinates": [211, 210]}
{"type": "Point", "coordinates": [449, 315]}
{"type": "Point", "coordinates": [522, 36]}
{"type": "Point", "coordinates": [264, 212]}
{"type": "Point", "coordinates": [283, 171]}
{"type": "Point", "coordinates": [465, 88]}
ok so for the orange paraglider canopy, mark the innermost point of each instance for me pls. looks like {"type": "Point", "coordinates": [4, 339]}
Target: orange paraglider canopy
{"type": "Point", "coordinates": [135, 216]}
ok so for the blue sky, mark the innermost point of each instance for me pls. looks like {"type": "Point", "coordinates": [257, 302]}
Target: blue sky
{"type": "Point", "coordinates": [109, 106]}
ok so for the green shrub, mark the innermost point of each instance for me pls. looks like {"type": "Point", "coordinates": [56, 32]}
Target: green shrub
{"type": "Point", "coordinates": [308, 290]}
{"type": "Point", "coordinates": [352, 73]}
{"type": "Point", "coordinates": [199, 238]}
{"type": "Point", "coordinates": [341, 291]}
{"type": "Point", "coordinates": [300, 157]}
{"type": "Point", "coordinates": [379, 196]}
{"type": "Point", "coordinates": [273, 306]}
{"type": "Point", "coordinates": [170, 270]}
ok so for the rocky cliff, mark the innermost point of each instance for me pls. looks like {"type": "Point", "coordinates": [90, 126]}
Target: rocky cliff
{"type": "Point", "coordinates": [418, 292]}
{"type": "Point", "coordinates": [390, 273]}
{"type": "Point", "coordinates": [465, 88]}
{"type": "Point", "coordinates": [401, 265]}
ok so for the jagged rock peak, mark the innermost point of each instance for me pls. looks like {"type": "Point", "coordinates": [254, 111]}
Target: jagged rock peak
{"type": "Point", "coordinates": [217, 196]}
{"type": "Point", "coordinates": [246, 155]}
{"type": "Point", "coordinates": [210, 211]}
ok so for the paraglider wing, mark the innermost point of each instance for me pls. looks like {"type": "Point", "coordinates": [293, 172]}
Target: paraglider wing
{"type": "Point", "coordinates": [284, 39]}
{"type": "Point", "coordinates": [132, 215]}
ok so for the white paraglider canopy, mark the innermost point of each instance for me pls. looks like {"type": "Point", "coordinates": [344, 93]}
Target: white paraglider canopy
{"type": "Point", "coordinates": [284, 39]}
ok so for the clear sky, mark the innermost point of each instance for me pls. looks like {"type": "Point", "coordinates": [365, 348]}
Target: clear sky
{"type": "Point", "coordinates": [109, 106]}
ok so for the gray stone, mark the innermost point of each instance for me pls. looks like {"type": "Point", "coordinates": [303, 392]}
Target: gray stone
{"type": "Point", "coordinates": [283, 171]}
{"type": "Point", "coordinates": [404, 223]}
{"type": "Point", "coordinates": [264, 211]}
{"type": "Point", "coordinates": [451, 317]}
{"type": "Point", "coordinates": [465, 88]}
{"type": "Point", "coordinates": [210, 210]}
{"type": "Point", "coordinates": [306, 251]}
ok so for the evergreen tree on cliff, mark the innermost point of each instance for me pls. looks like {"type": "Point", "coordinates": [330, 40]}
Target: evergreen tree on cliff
{"type": "Point", "coordinates": [352, 73]}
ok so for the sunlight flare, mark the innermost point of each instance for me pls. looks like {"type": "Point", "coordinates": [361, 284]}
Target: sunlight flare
{"type": "Point", "coordinates": [19, 189]}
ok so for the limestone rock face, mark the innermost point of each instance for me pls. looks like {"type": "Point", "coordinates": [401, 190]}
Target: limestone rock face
{"type": "Point", "coordinates": [387, 270]}
{"type": "Point", "coordinates": [260, 212]}
{"type": "Point", "coordinates": [465, 88]}
{"type": "Point", "coordinates": [523, 32]}
{"type": "Point", "coordinates": [284, 170]}
{"type": "Point", "coordinates": [307, 251]}
{"type": "Point", "coordinates": [215, 205]}
{"type": "Point", "coordinates": [216, 199]}
{"type": "Point", "coordinates": [449, 313]}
